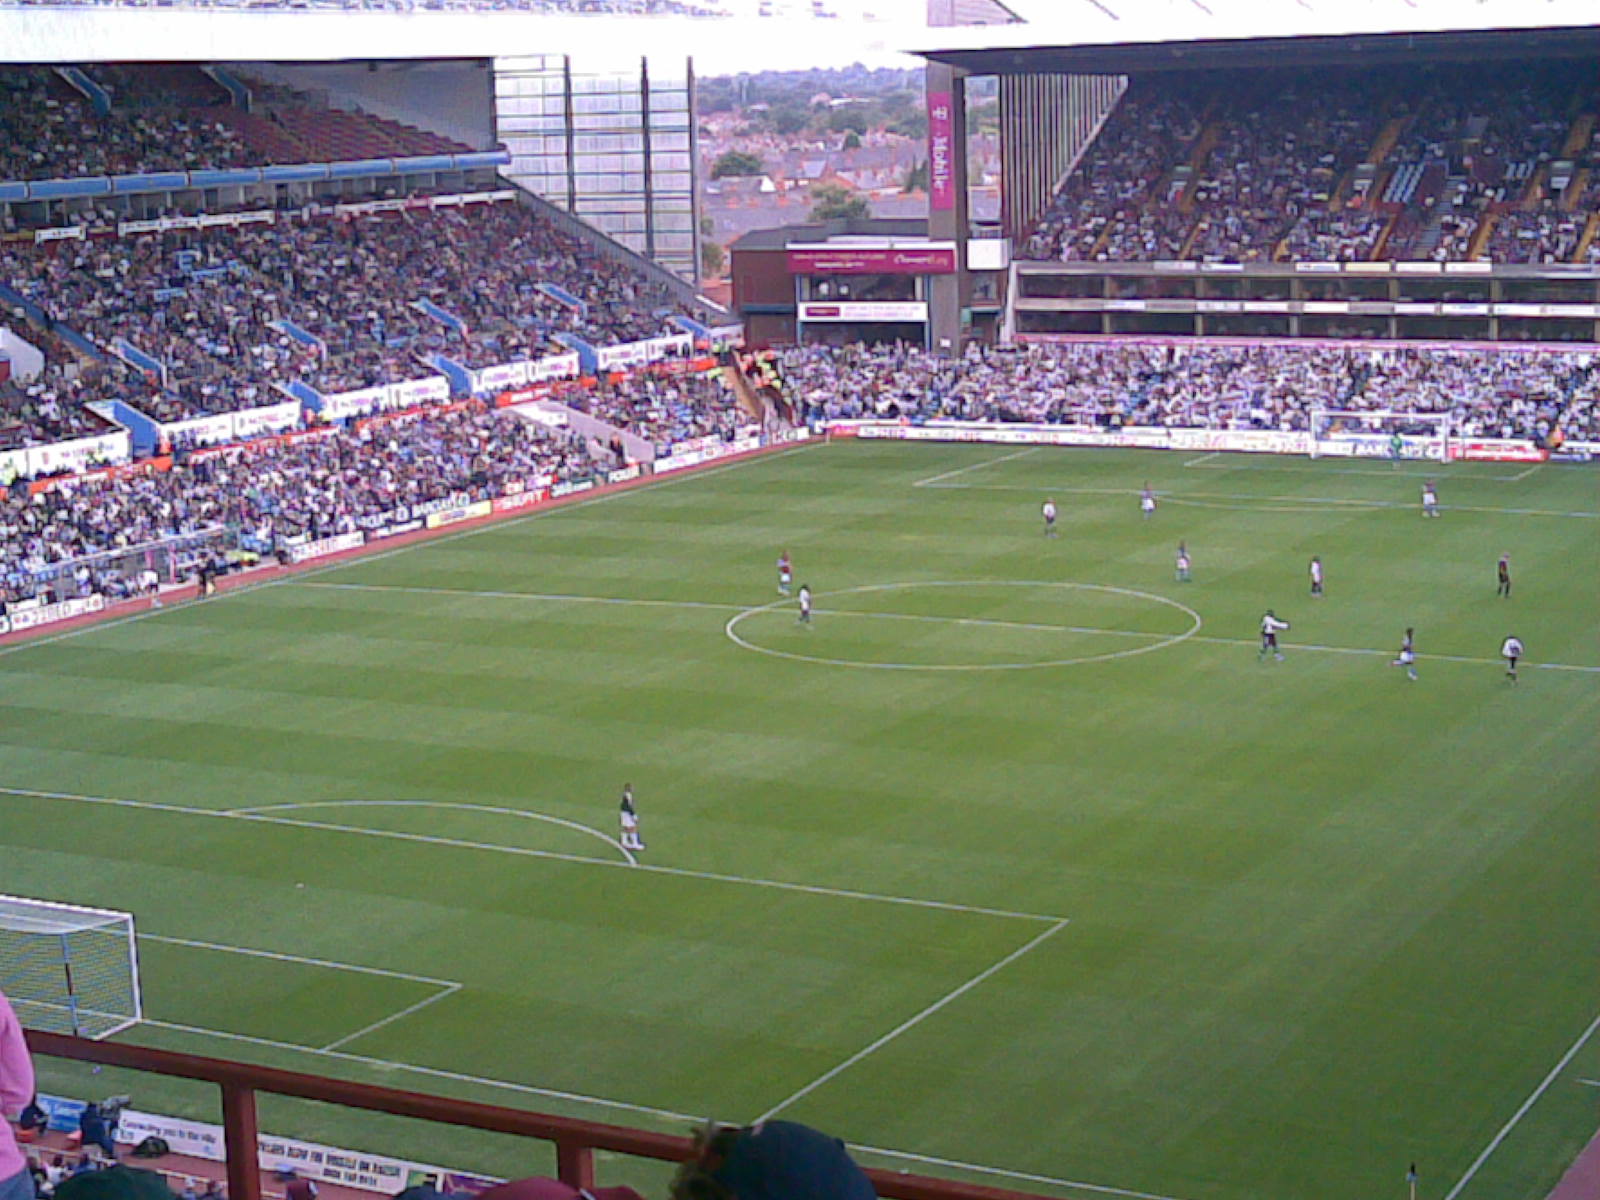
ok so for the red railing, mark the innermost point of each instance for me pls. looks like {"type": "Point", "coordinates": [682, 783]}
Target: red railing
{"type": "Point", "coordinates": [575, 1141]}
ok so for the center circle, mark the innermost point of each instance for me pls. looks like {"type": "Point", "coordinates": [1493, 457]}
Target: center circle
{"type": "Point", "coordinates": [1158, 641]}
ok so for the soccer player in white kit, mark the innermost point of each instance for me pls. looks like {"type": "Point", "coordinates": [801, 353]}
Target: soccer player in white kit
{"type": "Point", "coordinates": [1430, 500]}
{"type": "Point", "coordinates": [1407, 657]}
{"type": "Point", "coordinates": [1183, 563]}
{"type": "Point", "coordinates": [1511, 650]}
{"type": "Point", "coordinates": [1049, 511]}
{"type": "Point", "coordinates": [1147, 503]}
{"type": "Point", "coordinates": [805, 604]}
{"type": "Point", "coordinates": [1316, 576]}
{"type": "Point", "coordinates": [1270, 626]}
{"type": "Point", "coordinates": [630, 820]}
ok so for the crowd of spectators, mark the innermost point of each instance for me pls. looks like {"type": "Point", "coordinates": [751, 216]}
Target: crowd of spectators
{"type": "Point", "coordinates": [52, 405]}
{"type": "Point", "coordinates": [666, 408]}
{"type": "Point", "coordinates": [1204, 385]}
{"type": "Point", "coordinates": [1252, 167]}
{"type": "Point", "coordinates": [1148, 132]}
{"type": "Point", "coordinates": [167, 117]}
{"type": "Point", "coordinates": [49, 131]}
{"type": "Point", "coordinates": [208, 304]}
{"type": "Point", "coordinates": [273, 493]}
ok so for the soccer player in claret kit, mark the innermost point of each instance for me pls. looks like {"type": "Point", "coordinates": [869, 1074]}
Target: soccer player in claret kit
{"type": "Point", "coordinates": [1430, 500]}
{"type": "Point", "coordinates": [1316, 576]}
{"type": "Point", "coordinates": [1502, 571]}
{"type": "Point", "coordinates": [630, 820]}
{"type": "Point", "coordinates": [785, 573]}
{"type": "Point", "coordinates": [1407, 657]}
{"type": "Point", "coordinates": [1511, 650]}
{"type": "Point", "coordinates": [1270, 628]}
{"type": "Point", "coordinates": [1147, 503]}
{"type": "Point", "coordinates": [1049, 511]}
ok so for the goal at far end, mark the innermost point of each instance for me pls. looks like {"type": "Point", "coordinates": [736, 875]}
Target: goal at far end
{"type": "Point", "coordinates": [69, 969]}
{"type": "Point", "coordinates": [1341, 433]}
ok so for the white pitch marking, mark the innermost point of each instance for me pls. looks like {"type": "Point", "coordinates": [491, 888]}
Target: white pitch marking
{"type": "Point", "coordinates": [931, 480]}
{"type": "Point", "coordinates": [917, 616]}
{"type": "Point", "coordinates": [525, 852]}
{"type": "Point", "coordinates": [1024, 1176]}
{"type": "Point", "coordinates": [1590, 1082]}
{"type": "Point", "coordinates": [488, 808]}
{"type": "Point", "coordinates": [301, 576]}
{"type": "Point", "coordinates": [433, 1072]}
{"type": "Point", "coordinates": [1164, 640]}
{"type": "Point", "coordinates": [911, 1022]}
{"type": "Point", "coordinates": [294, 958]}
{"type": "Point", "coordinates": [1323, 501]}
{"type": "Point", "coordinates": [392, 1017]}
{"type": "Point", "coordinates": [1517, 1116]}
{"type": "Point", "coordinates": [1520, 475]}
{"type": "Point", "coordinates": [552, 597]}
{"type": "Point", "coordinates": [1244, 462]}
{"type": "Point", "coordinates": [625, 1106]}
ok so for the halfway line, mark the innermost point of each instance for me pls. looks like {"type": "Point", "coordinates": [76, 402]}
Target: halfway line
{"type": "Point", "coordinates": [567, 597]}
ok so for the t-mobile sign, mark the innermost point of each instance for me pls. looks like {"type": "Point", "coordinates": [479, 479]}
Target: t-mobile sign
{"type": "Point", "coordinates": [941, 152]}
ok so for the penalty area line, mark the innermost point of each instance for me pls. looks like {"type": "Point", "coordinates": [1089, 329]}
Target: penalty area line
{"type": "Point", "coordinates": [933, 480]}
{"type": "Point", "coordinates": [529, 852]}
{"type": "Point", "coordinates": [912, 1022]}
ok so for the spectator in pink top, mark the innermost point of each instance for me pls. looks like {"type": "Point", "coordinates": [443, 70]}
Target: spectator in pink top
{"type": "Point", "coordinates": [16, 1089]}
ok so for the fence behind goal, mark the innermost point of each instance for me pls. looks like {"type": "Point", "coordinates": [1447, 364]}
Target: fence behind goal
{"type": "Point", "coordinates": [67, 968]}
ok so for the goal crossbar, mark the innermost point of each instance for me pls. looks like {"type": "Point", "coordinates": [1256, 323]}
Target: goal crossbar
{"type": "Point", "coordinates": [68, 967]}
{"type": "Point", "coordinates": [1381, 433]}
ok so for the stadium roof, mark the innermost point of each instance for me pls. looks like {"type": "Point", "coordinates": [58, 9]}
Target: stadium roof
{"type": "Point", "coordinates": [1135, 35]}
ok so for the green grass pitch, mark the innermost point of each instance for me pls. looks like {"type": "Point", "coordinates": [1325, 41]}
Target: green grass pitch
{"type": "Point", "coordinates": [1016, 866]}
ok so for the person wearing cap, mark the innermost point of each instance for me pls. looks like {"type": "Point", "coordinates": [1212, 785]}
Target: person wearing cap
{"type": "Point", "coordinates": [16, 1090]}
{"type": "Point", "coordinates": [770, 1160]}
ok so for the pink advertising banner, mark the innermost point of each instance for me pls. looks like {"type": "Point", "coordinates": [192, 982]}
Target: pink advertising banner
{"type": "Point", "coordinates": [873, 260]}
{"type": "Point", "coordinates": [941, 152]}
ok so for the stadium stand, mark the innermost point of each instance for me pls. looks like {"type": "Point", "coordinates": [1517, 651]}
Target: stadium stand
{"type": "Point", "coordinates": [204, 303]}
{"type": "Point", "coordinates": [1375, 164]}
{"type": "Point", "coordinates": [1542, 396]}
{"type": "Point", "coordinates": [168, 117]}
{"type": "Point", "coordinates": [318, 486]}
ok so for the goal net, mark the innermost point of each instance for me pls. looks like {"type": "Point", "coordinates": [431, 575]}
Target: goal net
{"type": "Point", "coordinates": [1340, 433]}
{"type": "Point", "coordinates": [69, 969]}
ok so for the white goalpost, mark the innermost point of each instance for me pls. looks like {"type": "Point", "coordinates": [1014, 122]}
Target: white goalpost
{"type": "Point", "coordinates": [1390, 434]}
{"type": "Point", "coordinates": [69, 969]}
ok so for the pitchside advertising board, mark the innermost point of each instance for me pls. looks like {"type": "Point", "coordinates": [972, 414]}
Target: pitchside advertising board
{"type": "Point", "coordinates": [324, 1164]}
{"type": "Point", "coordinates": [1250, 441]}
{"type": "Point", "coordinates": [29, 615]}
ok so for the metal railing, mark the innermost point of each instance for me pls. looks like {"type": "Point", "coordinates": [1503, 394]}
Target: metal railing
{"type": "Point", "coordinates": [575, 1141]}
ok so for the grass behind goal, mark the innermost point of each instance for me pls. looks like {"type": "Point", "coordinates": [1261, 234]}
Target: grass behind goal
{"type": "Point", "coordinates": [1321, 922]}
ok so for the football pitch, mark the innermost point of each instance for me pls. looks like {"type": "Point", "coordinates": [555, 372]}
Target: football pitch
{"type": "Point", "coordinates": [1017, 865]}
